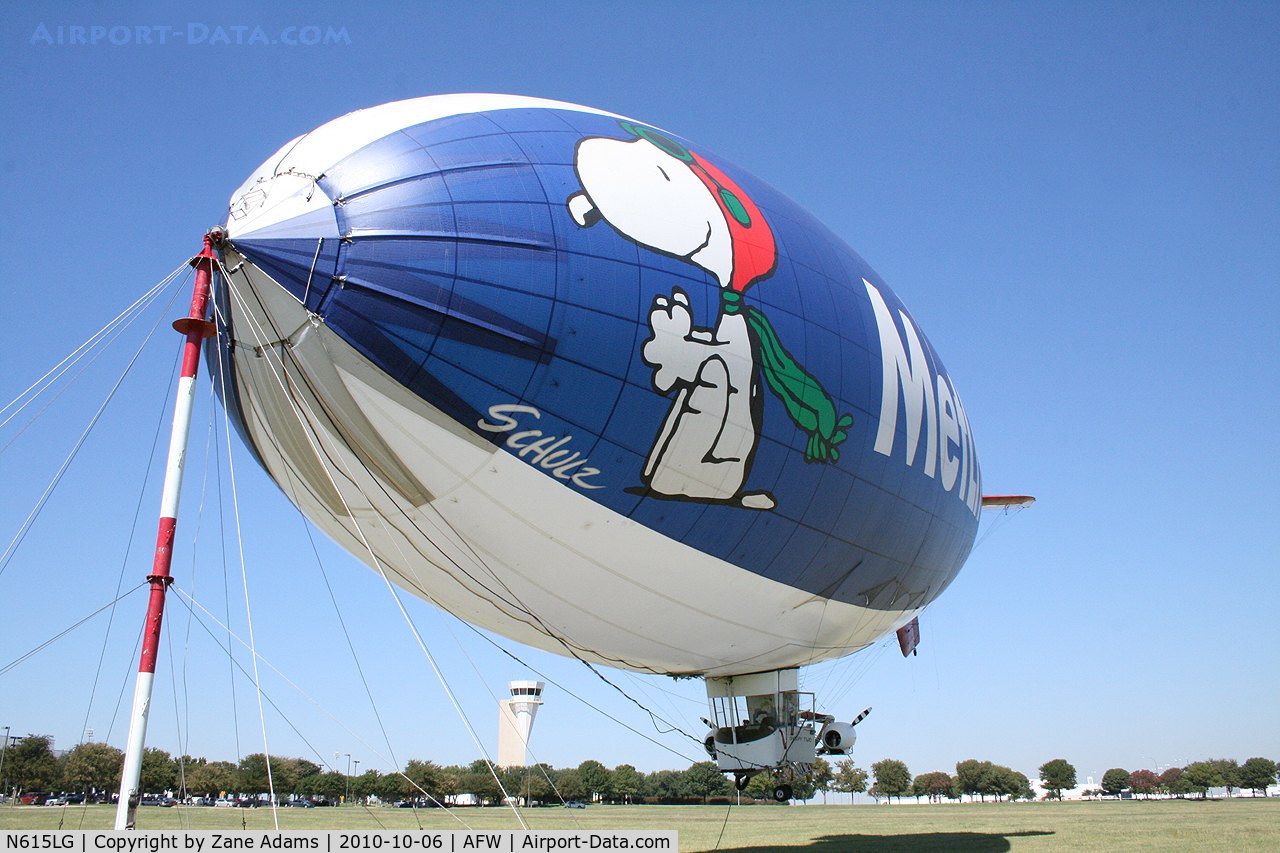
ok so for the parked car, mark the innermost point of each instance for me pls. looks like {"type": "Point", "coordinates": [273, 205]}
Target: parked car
{"type": "Point", "coordinates": [575, 805]}
{"type": "Point", "coordinates": [32, 798]}
{"type": "Point", "coordinates": [300, 804]}
{"type": "Point", "coordinates": [223, 804]}
{"type": "Point", "coordinates": [154, 800]}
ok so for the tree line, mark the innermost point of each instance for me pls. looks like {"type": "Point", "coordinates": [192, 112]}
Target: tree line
{"type": "Point", "coordinates": [974, 778]}
{"type": "Point", "coordinates": [1256, 774]}
{"type": "Point", "coordinates": [94, 768]}
{"type": "Point", "coordinates": [984, 779]}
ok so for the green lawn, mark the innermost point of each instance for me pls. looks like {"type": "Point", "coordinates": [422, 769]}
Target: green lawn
{"type": "Point", "coordinates": [1231, 826]}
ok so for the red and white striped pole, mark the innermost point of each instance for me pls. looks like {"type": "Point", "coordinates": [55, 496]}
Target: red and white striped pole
{"type": "Point", "coordinates": [196, 328]}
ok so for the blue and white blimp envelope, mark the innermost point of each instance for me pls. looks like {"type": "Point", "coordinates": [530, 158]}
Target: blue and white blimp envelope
{"type": "Point", "coordinates": [584, 383]}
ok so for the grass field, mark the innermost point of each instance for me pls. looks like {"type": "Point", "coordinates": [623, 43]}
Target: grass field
{"type": "Point", "coordinates": [1241, 825]}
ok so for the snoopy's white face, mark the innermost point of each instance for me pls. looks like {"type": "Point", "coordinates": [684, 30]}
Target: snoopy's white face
{"type": "Point", "coordinates": [654, 199]}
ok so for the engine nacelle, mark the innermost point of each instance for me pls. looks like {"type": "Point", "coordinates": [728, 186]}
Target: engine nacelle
{"type": "Point", "coordinates": [836, 738]}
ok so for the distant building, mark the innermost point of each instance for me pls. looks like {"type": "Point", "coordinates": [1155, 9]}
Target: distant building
{"type": "Point", "coordinates": [515, 721]}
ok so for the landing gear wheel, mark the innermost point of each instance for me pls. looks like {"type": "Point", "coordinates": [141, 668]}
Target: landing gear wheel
{"type": "Point", "coordinates": [741, 782]}
{"type": "Point", "coordinates": [782, 793]}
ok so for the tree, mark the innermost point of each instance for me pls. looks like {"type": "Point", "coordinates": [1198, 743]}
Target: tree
{"type": "Point", "coordinates": [92, 767]}
{"type": "Point", "coordinates": [451, 781]}
{"type": "Point", "coordinates": [331, 785]}
{"type": "Point", "coordinates": [511, 782]}
{"type": "Point", "coordinates": [31, 765]}
{"type": "Point", "coordinates": [802, 787]}
{"type": "Point", "coordinates": [1115, 780]}
{"type": "Point", "coordinates": [627, 782]}
{"type": "Point", "coordinates": [702, 780]}
{"type": "Point", "coordinates": [159, 772]}
{"type": "Point", "coordinates": [478, 780]}
{"type": "Point", "coordinates": [1258, 774]}
{"type": "Point", "coordinates": [253, 778]}
{"type": "Point", "coordinates": [893, 779]}
{"type": "Point", "coordinates": [424, 780]}
{"type": "Point", "coordinates": [760, 786]}
{"type": "Point", "coordinates": [1203, 775]}
{"type": "Point", "coordinates": [1023, 787]}
{"type": "Point", "coordinates": [999, 781]}
{"type": "Point", "coordinates": [571, 786]}
{"type": "Point", "coordinates": [969, 776]}
{"type": "Point", "coordinates": [212, 779]}
{"type": "Point", "coordinates": [1172, 783]}
{"type": "Point", "coordinates": [367, 784]}
{"type": "Point", "coordinates": [1143, 782]}
{"type": "Point", "coordinates": [182, 767]}
{"type": "Point", "coordinates": [821, 777]}
{"type": "Point", "coordinates": [595, 777]}
{"type": "Point", "coordinates": [1057, 776]}
{"type": "Point", "coordinates": [303, 771]}
{"type": "Point", "coordinates": [389, 787]}
{"type": "Point", "coordinates": [849, 778]}
{"type": "Point", "coordinates": [934, 785]}
{"type": "Point", "coordinates": [1229, 769]}
{"type": "Point", "coordinates": [662, 785]}
{"type": "Point", "coordinates": [537, 783]}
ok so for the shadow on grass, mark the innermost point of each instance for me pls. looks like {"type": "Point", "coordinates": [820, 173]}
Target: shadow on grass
{"type": "Point", "coordinates": [925, 842]}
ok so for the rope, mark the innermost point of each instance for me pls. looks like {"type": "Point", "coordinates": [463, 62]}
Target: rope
{"type": "Point", "coordinates": [57, 478]}
{"type": "Point", "coordinates": [552, 681]}
{"type": "Point", "coordinates": [328, 474]}
{"type": "Point", "coordinates": [187, 601]}
{"type": "Point", "coordinates": [307, 291]}
{"type": "Point", "coordinates": [1005, 514]}
{"type": "Point", "coordinates": [177, 722]}
{"type": "Point", "coordinates": [356, 659]}
{"type": "Point", "coordinates": [510, 599]}
{"type": "Point", "coordinates": [5, 669]}
{"type": "Point", "coordinates": [235, 503]}
{"type": "Point", "coordinates": [128, 677]}
{"type": "Point", "coordinates": [727, 812]}
{"type": "Point", "coordinates": [124, 562]}
{"type": "Point", "coordinates": [222, 526]}
{"type": "Point", "coordinates": [323, 459]}
{"type": "Point", "coordinates": [76, 354]}
{"type": "Point", "coordinates": [345, 633]}
{"type": "Point", "coordinates": [193, 605]}
{"type": "Point", "coordinates": [652, 716]}
{"type": "Point", "coordinates": [210, 438]}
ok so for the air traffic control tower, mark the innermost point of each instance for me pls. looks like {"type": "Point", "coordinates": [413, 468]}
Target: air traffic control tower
{"type": "Point", "coordinates": [515, 721]}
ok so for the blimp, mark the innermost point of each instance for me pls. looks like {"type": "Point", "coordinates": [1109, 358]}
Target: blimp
{"type": "Point", "coordinates": [581, 382]}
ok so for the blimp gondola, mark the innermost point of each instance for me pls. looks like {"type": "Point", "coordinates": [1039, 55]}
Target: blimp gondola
{"type": "Point", "coordinates": [582, 382]}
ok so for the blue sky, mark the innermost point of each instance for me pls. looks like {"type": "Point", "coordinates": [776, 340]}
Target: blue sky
{"type": "Point", "coordinates": [1077, 204]}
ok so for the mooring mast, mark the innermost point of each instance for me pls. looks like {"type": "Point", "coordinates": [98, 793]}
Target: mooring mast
{"type": "Point", "coordinates": [196, 328]}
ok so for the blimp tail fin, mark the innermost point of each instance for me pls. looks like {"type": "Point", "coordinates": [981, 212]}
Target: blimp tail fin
{"type": "Point", "coordinates": [998, 501]}
{"type": "Point", "coordinates": [908, 639]}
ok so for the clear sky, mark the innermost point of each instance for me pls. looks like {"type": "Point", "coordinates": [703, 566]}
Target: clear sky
{"type": "Point", "coordinates": [1078, 204]}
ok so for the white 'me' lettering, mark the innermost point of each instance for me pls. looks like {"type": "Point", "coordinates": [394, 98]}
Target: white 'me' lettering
{"type": "Point", "coordinates": [929, 402]}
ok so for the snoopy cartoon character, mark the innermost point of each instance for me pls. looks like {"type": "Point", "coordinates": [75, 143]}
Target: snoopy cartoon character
{"type": "Point", "coordinates": [658, 194]}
